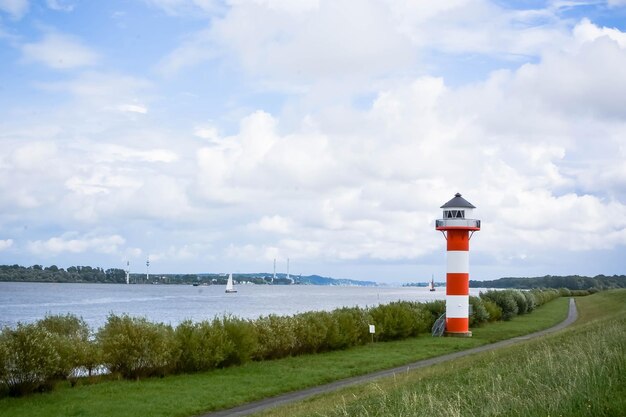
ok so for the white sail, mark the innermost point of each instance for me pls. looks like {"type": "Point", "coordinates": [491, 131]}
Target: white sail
{"type": "Point", "coordinates": [229, 284]}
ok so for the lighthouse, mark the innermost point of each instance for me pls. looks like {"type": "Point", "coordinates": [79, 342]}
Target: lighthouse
{"type": "Point", "coordinates": [457, 226]}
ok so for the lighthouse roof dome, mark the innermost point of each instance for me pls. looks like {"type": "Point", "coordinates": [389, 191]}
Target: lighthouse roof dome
{"type": "Point", "coordinates": [458, 202]}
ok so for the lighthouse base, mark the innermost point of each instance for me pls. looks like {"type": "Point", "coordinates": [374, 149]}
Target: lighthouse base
{"type": "Point", "coordinates": [458, 334]}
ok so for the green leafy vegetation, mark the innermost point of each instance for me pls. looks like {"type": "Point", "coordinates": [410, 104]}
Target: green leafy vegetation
{"type": "Point", "coordinates": [38, 273]}
{"type": "Point", "coordinates": [88, 274]}
{"type": "Point", "coordinates": [192, 394]}
{"type": "Point", "coordinates": [132, 347]}
{"type": "Point", "coordinates": [571, 282]}
{"type": "Point", "coordinates": [580, 371]}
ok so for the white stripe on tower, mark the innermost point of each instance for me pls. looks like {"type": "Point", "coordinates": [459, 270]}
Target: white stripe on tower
{"type": "Point", "coordinates": [457, 306]}
{"type": "Point", "coordinates": [458, 262]}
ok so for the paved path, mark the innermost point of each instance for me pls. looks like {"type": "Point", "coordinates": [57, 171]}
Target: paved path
{"type": "Point", "coordinates": [262, 405]}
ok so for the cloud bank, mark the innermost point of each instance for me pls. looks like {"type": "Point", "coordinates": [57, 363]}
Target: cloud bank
{"type": "Point", "coordinates": [372, 123]}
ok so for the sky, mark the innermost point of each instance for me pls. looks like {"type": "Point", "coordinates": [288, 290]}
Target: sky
{"type": "Point", "coordinates": [217, 136]}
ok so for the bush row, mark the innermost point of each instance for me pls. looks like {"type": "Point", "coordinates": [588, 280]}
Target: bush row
{"type": "Point", "coordinates": [506, 304]}
{"type": "Point", "coordinates": [34, 356]}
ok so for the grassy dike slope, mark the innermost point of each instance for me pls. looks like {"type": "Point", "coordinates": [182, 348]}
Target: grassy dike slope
{"type": "Point", "coordinates": [188, 395]}
{"type": "Point", "coordinates": [580, 371]}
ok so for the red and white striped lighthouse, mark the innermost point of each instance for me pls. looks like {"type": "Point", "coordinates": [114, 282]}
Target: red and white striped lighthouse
{"type": "Point", "coordinates": [457, 227]}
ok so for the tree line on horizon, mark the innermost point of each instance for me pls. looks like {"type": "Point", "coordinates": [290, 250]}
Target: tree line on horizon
{"type": "Point", "coordinates": [39, 273]}
{"type": "Point", "coordinates": [88, 274]}
{"type": "Point", "coordinates": [571, 282]}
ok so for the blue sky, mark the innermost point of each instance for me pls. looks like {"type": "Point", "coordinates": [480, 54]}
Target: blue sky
{"type": "Point", "coordinates": [216, 136]}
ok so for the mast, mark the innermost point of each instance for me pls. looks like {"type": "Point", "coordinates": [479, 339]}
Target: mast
{"type": "Point", "coordinates": [288, 268]}
{"type": "Point", "coordinates": [274, 276]}
{"type": "Point", "coordinates": [148, 269]}
{"type": "Point", "coordinates": [127, 272]}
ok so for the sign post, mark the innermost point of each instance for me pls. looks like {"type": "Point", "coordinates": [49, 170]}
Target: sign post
{"type": "Point", "coordinates": [372, 331]}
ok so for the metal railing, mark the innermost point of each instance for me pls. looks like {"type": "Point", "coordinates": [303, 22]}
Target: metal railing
{"type": "Point", "coordinates": [457, 223]}
{"type": "Point", "coordinates": [440, 326]}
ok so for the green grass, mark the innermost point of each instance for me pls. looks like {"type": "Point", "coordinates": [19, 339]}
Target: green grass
{"type": "Point", "coordinates": [187, 395]}
{"type": "Point", "coordinates": [580, 371]}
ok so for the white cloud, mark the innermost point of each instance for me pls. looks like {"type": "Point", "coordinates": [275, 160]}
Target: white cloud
{"type": "Point", "coordinates": [61, 5]}
{"type": "Point", "coordinates": [207, 132]}
{"type": "Point", "coordinates": [132, 108]}
{"type": "Point", "coordinates": [72, 243]}
{"type": "Point", "coordinates": [371, 191]}
{"type": "Point", "coordinates": [539, 147]}
{"type": "Point", "coordinates": [275, 224]}
{"type": "Point", "coordinates": [293, 45]}
{"type": "Point", "coordinates": [34, 156]}
{"type": "Point", "coordinates": [116, 153]}
{"type": "Point", "coordinates": [16, 8]}
{"type": "Point", "coordinates": [60, 51]}
{"type": "Point", "coordinates": [616, 3]}
{"type": "Point", "coordinates": [5, 244]}
{"type": "Point", "coordinates": [98, 93]}
{"type": "Point", "coordinates": [182, 253]}
{"type": "Point", "coordinates": [586, 31]}
{"type": "Point", "coordinates": [277, 39]}
{"type": "Point", "coordinates": [193, 50]}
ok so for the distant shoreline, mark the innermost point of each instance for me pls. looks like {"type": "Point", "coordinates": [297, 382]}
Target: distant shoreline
{"type": "Point", "coordinates": [88, 274]}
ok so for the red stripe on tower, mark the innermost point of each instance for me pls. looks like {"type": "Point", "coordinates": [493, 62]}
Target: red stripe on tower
{"type": "Point", "coordinates": [457, 226]}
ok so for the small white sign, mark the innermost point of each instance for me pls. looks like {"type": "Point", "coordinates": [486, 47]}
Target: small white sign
{"type": "Point", "coordinates": [372, 329]}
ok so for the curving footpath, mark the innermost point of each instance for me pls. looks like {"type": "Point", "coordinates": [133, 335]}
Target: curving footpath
{"type": "Point", "coordinates": [262, 405]}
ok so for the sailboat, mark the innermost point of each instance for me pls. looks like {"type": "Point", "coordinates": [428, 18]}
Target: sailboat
{"type": "Point", "coordinates": [431, 284]}
{"type": "Point", "coordinates": [229, 284]}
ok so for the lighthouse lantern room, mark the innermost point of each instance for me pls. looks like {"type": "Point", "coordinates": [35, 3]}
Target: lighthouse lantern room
{"type": "Point", "coordinates": [457, 226]}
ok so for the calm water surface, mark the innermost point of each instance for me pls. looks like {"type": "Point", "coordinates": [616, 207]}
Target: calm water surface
{"type": "Point", "coordinates": [28, 302]}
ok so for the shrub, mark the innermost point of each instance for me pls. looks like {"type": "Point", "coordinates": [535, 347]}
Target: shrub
{"type": "Point", "coordinates": [311, 332]}
{"type": "Point", "coordinates": [71, 341]}
{"type": "Point", "coordinates": [504, 300]}
{"type": "Point", "coordinates": [520, 300]}
{"type": "Point", "coordinates": [352, 327]}
{"type": "Point", "coordinates": [495, 312]}
{"type": "Point", "coordinates": [4, 364]}
{"type": "Point", "coordinates": [479, 312]}
{"type": "Point", "coordinates": [30, 359]}
{"type": "Point", "coordinates": [334, 339]}
{"type": "Point", "coordinates": [531, 302]}
{"type": "Point", "coordinates": [276, 337]}
{"type": "Point", "coordinates": [89, 356]}
{"type": "Point", "coordinates": [135, 347]}
{"type": "Point", "coordinates": [202, 346]}
{"type": "Point", "coordinates": [436, 308]}
{"type": "Point", "coordinates": [243, 338]}
{"type": "Point", "coordinates": [543, 296]}
{"type": "Point", "coordinates": [565, 292]}
{"type": "Point", "coordinates": [400, 319]}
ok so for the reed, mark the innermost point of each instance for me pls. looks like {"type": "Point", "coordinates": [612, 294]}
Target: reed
{"type": "Point", "coordinates": [580, 373]}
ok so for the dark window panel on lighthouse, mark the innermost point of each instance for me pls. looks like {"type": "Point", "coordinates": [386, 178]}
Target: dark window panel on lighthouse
{"type": "Point", "coordinates": [454, 214]}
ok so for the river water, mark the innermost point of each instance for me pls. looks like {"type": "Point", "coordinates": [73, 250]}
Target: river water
{"type": "Point", "coordinates": [27, 302]}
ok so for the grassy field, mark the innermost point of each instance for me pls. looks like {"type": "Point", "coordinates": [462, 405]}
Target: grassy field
{"type": "Point", "coordinates": [580, 371]}
{"type": "Point", "coordinates": [187, 395]}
